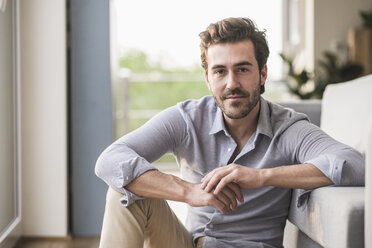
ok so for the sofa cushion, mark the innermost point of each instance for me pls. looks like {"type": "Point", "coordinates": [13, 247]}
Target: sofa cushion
{"type": "Point", "coordinates": [346, 108]}
{"type": "Point", "coordinates": [311, 108]}
{"type": "Point", "coordinates": [334, 216]}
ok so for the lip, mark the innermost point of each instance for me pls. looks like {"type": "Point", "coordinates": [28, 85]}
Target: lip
{"type": "Point", "coordinates": [235, 97]}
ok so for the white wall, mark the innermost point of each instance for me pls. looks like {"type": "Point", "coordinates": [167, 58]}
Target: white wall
{"type": "Point", "coordinates": [44, 117]}
{"type": "Point", "coordinates": [324, 25]}
{"type": "Point", "coordinates": [332, 20]}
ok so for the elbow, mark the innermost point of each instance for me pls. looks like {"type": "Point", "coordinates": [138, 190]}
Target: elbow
{"type": "Point", "coordinates": [100, 168]}
{"type": "Point", "coordinates": [353, 175]}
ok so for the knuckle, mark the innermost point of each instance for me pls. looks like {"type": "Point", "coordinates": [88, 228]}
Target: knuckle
{"type": "Point", "coordinates": [234, 166]}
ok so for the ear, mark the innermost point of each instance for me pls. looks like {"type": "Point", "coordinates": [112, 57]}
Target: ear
{"type": "Point", "coordinates": [206, 79]}
{"type": "Point", "coordinates": [263, 74]}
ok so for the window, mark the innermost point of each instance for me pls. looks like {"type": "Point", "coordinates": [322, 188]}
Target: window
{"type": "Point", "coordinates": [9, 172]}
{"type": "Point", "coordinates": [167, 31]}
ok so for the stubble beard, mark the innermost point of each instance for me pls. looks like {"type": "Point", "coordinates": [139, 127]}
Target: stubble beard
{"type": "Point", "coordinates": [238, 109]}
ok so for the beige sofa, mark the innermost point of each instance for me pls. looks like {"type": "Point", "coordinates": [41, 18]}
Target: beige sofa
{"type": "Point", "coordinates": [338, 217]}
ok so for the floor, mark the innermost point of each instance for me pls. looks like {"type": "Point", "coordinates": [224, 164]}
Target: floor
{"type": "Point", "coordinates": [91, 242]}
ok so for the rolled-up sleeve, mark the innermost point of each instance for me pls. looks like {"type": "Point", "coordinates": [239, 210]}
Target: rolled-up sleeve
{"type": "Point", "coordinates": [118, 166]}
{"type": "Point", "coordinates": [132, 155]}
{"type": "Point", "coordinates": [308, 144]}
{"type": "Point", "coordinates": [343, 168]}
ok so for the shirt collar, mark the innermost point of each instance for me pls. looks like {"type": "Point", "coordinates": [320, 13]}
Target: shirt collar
{"type": "Point", "coordinates": [264, 125]}
{"type": "Point", "coordinates": [218, 123]}
{"type": "Point", "coordinates": [264, 121]}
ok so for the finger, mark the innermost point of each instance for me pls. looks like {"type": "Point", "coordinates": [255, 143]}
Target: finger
{"type": "Point", "coordinates": [205, 180]}
{"type": "Point", "coordinates": [237, 191]}
{"type": "Point", "coordinates": [206, 176]}
{"type": "Point", "coordinates": [211, 183]}
{"type": "Point", "coordinates": [216, 179]}
{"type": "Point", "coordinates": [220, 205]}
{"type": "Point", "coordinates": [231, 195]}
{"type": "Point", "coordinates": [225, 200]}
{"type": "Point", "coordinates": [223, 182]}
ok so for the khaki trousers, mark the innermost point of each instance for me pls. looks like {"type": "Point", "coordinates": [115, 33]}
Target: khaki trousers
{"type": "Point", "coordinates": [148, 223]}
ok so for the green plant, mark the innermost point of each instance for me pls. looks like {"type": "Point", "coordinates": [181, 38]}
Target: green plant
{"type": "Point", "coordinates": [330, 70]}
{"type": "Point", "coordinates": [297, 81]}
{"type": "Point", "coordinates": [366, 18]}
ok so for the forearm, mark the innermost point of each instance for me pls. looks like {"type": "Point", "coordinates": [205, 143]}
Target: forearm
{"type": "Point", "coordinates": [301, 176]}
{"type": "Point", "coordinates": [155, 184]}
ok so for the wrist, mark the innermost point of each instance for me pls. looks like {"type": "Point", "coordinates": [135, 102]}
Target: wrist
{"type": "Point", "coordinates": [185, 190]}
{"type": "Point", "coordinates": [266, 175]}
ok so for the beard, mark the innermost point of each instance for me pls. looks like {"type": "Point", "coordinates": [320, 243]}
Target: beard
{"type": "Point", "coordinates": [238, 109]}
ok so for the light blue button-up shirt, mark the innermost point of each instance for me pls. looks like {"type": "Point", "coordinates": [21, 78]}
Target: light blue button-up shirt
{"type": "Point", "coordinates": [195, 133]}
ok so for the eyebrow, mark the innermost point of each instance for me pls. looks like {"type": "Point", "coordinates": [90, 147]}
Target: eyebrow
{"type": "Point", "coordinates": [235, 65]}
{"type": "Point", "coordinates": [244, 63]}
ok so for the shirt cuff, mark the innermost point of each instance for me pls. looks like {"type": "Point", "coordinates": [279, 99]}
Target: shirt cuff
{"type": "Point", "coordinates": [330, 165]}
{"type": "Point", "coordinates": [129, 197]}
{"type": "Point", "coordinates": [137, 167]}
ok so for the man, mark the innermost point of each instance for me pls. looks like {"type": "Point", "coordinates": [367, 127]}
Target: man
{"type": "Point", "coordinates": [239, 157]}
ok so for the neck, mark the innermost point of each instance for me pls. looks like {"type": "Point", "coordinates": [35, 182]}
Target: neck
{"type": "Point", "coordinates": [242, 129]}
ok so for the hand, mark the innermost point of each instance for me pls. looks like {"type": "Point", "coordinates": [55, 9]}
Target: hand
{"type": "Point", "coordinates": [245, 177]}
{"type": "Point", "coordinates": [224, 201]}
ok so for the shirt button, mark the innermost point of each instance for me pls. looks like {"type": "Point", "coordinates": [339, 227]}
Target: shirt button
{"type": "Point", "coordinates": [229, 149]}
{"type": "Point", "coordinates": [127, 178]}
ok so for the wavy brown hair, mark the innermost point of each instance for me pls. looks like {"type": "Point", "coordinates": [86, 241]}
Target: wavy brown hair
{"type": "Point", "coordinates": [234, 30]}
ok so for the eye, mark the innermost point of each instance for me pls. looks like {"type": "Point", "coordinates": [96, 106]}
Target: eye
{"type": "Point", "coordinates": [243, 69]}
{"type": "Point", "coordinates": [219, 72]}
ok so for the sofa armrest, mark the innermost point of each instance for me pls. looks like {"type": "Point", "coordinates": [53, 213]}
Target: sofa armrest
{"type": "Point", "coordinates": [333, 217]}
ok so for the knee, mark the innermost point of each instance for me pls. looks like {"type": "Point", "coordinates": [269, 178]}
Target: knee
{"type": "Point", "coordinates": [149, 205]}
{"type": "Point", "coordinates": [113, 203]}
{"type": "Point", "coordinates": [145, 206]}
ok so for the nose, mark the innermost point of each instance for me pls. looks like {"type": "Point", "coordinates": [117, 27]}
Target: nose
{"type": "Point", "coordinates": [232, 81]}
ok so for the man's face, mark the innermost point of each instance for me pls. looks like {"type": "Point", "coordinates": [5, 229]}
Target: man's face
{"type": "Point", "coordinates": [234, 78]}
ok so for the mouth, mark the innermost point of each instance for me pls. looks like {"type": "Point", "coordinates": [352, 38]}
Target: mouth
{"type": "Point", "coordinates": [235, 97]}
